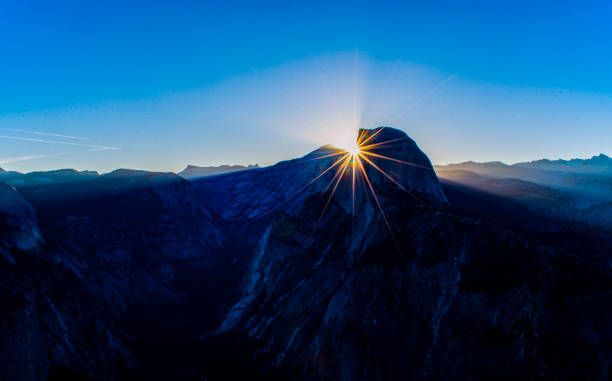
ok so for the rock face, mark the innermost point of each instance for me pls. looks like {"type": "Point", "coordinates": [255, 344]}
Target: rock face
{"type": "Point", "coordinates": [48, 317]}
{"type": "Point", "coordinates": [113, 248]}
{"type": "Point", "coordinates": [334, 297]}
{"type": "Point", "coordinates": [407, 164]}
{"type": "Point", "coordinates": [19, 224]}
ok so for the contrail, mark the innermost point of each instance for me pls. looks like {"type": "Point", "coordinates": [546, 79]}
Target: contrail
{"type": "Point", "coordinates": [15, 159]}
{"type": "Point", "coordinates": [8, 160]}
{"type": "Point", "coordinates": [49, 134]}
{"type": "Point", "coordinates": [97, 147]}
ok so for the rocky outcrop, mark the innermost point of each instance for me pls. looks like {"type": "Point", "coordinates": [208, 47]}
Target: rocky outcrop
{"type": "Point", "coordinates": [404, 162]}
{"type": "Point", "coordinates": [113, 247]}
{"type": "Point", "coordinates": [20, 231]}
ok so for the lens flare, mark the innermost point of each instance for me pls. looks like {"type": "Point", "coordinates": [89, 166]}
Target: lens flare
{"type": "Point", "coordinates": [354, 150]}
{"type": "Point", "coordinates": [351, 163]}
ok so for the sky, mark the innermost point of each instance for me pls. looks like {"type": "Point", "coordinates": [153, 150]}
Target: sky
{"type": "Point", "coordinates": [100, 85]}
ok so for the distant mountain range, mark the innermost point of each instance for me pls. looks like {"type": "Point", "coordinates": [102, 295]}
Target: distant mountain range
{"type": "Point", "coordinates": [194, 172]}
{"type": "Point", "coordinates": [472, 271]}
{"type": "Point", "coordinates": [588, 181]}
{"type": "Point", "coordinates": [540, 170]}
{"type": "Point", "coordinates": [597, 165]}
{"type": "Point", "coordinates": [42, 177]}
{"type": "Point", "coordinates": [600, 164]}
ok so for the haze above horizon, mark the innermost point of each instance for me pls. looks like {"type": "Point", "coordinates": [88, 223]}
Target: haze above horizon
{"type": "Point", "coordinates": [157, 86]}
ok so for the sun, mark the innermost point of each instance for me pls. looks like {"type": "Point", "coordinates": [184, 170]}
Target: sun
{"type": "Point", "coordinates": [353, 149]}
{"type": "Point", "coordinates": [351, 161]}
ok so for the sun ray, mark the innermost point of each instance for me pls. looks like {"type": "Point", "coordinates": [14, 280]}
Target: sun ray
{"type": "Point", "coordinates": [395, 160]}
{"type": "Point", "coordinates": [382, 213]}
{"type": "Point", "coordinates": [343, 152]}
{"type": "Point", "coordinates": [355, 156]}
{"type": "Point", "coordinates": [377, 145]}
{"type": "Point", "coordinates": [391, 178]}
{"type": "Point", "coordinates": [353, 165]}
{"type": "Point", "coordinates": [406, 110]}
{"type": "Point", "coordinates": [361, 136]}
{"type": "Point", "coordinates": [339, 174]}
{"type": "Point", "coordinates": [384, 173]}
{"type": "Point", "coordinates": [370, 137]}
{"type": "Point", "coordinates": [336, 163]}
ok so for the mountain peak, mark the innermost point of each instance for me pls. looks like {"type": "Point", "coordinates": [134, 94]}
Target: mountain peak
{"type": "Point", "coordinates": [288, 184]}
{"type": "Point", "coordinates": [399, 157]}
{"type": "Point", "coordinates": [600, 157]}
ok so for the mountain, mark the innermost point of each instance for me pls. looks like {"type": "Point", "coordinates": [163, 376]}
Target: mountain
{"type": "Point", "coordinates": [597, 165]}
{"type": "Point", "coordinates": [112, 250]}
{"type": "Point", "coordinates": [601, 213]}
{"type": "Point", "coordinates": [41, 177]}
{"type": "Point", "coordinates": [542, 200]}
{"type": "Point", "coordinates": [287, 184]}
{"type": "Point", "coordinates": [193, 172]}
{"type": "Point", "coordinates": [588, 181]}
{"type": "Point", "coordinates": [290, 272]}
{"type": "Point", "coordinates": [337, 297]}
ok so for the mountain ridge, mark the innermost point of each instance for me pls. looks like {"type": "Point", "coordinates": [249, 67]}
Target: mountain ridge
{"type": "Point", "coordinates": [589, 181]}
{"type": "Point", "coordinates": [193, 171]}
{"type": "Point", "coordinates": [601, 158]}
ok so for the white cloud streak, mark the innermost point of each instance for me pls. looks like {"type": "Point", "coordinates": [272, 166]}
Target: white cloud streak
{"type": "Point", "coordinates": [8, 160]}
{"type": "Point", "coordinates": [45, 141]}
{"type": "Point", "coordinates": [49, 134]}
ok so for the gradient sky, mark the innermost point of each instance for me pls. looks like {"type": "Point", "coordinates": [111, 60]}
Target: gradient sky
{"type": "Point", "coordinates": [159, 85]}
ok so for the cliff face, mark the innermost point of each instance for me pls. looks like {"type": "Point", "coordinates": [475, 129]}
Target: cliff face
{"type": "Point", "coordinates": [460, 298]}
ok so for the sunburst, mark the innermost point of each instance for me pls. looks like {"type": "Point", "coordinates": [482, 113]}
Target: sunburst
{"type": "Point", "coordinates": [350, 163]}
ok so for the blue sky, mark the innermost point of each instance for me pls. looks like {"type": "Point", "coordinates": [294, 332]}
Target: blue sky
{"type": "Point", "coordinates": [158, 85]}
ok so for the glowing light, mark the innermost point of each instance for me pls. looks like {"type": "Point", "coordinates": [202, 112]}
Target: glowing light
{"type": "Point", "coordinates": [354, 155]}
{"type": "Point", "coordinates": [354, 149]}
